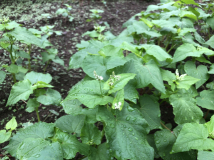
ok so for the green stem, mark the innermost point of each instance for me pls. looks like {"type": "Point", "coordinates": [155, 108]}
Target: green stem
{"type": "Point", "coordinates": [37, 114]}
{"type": "Point", "coordinates": [14, 77]}
{"type": "Point", "coordinates": [46, 66]}
{"type": "Point", "coordinates": [29, 64]}
{"type": "Point", "coordinates": [168, 129]}
{"type": "Point", "coordinates": [171, 48]}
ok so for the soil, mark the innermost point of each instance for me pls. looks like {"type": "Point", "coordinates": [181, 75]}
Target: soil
{"type": "Point", "coordinates": [115, 14]}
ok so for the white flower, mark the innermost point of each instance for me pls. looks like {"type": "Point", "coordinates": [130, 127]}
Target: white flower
{"type": "Point", "coordinates": [99, 78]}
{"type": "Point", "coordinates": [180, 78]}
{"type": "Point", "coordinates": [117, 106]}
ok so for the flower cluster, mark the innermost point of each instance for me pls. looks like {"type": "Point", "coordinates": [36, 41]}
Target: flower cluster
{"type": "Point", "coordinates": [99, 78]}
{"type": "Point", "coordinates": [117, 106]}
{"type": "Point", "coordinates": [113, 79]}
{"type": "Point", "coordinates": [180, 78]}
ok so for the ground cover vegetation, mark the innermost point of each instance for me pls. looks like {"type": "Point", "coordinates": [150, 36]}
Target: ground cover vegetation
{"type": "Point", "coordinates": [162, 59]}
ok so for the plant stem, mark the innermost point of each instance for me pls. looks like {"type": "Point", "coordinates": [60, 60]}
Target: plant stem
{"type": "Point", "coordinates": [14, 77]}
{"type": "Point", "coordinates": [168, 129]}
{"type": "Point", "coordinates": [29, 64]}
{"type": "Point", "coordinates": [37, 114]}
{"type": "Point", "coordinates": [206, 114]}
{"type": "Point", "coordinates": [46, 66]}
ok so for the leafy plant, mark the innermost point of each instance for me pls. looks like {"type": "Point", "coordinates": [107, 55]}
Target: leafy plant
{"type": "Point", "coordinates": [114, 112]}
{"type": "Point", "coordinates": [65, 12]}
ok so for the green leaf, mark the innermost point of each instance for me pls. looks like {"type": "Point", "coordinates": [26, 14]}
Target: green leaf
{"type": "Point", "coordinates": [169, 77]}
{"type": "Point", "coordinates": [210, 42]}
{"type": "Point", "coordinates": [58, 60]}
{"type": "Point", "coordinates": [211, 71]}
{"type": "Point", "coordinates": [187, 82]}
{"type": "Point", "coordinates": [119, 84]}
{"type": "Point", "coordinates": [164, 140]}
{"type": "Point", "coordinates": [210, 127]}
{"type": "Point", "coordinates": [130, 92]}
{"type": "Point", "coordinates": [4, 136]}
{"type": "Point", "coordinates": [200, 72]}
{"type": "Point", "coordinates": [51, 97]}
{"type": "Point", "coordinates": [52, 151]}
{"type": "Point", "coordinates": [12, 124]}
{"type": "Point", "coordinates": [156, 51]}
{"type": "Point", "coordinates": [188, 14]}
{"type": "Point", "coordinates": [193, 136]}
{"type": "Point", "coordinates": [32, 104]}
{"type": "Point", "coordinates": [12, 68]}
{"type": "Point", "coordinates": [100, 64]}
{"type": "Point", "coordinates": [70, 123]}
{"type": "Point", "coordinates": [34, 77]}
{"type": "Point", "coordinates": [205, 155]}
{"type": "Point", "coordinates": [150, 110]}
{"type": "Point", "coordinates": [118, 100]}
{"type": "Point", "coordinates": [99, 153]}
{"type": "Point", "coordinates": [70, 145]}
{"type": "Point", "coordinates": [39, 130]}
{"type": "Point", "coordinates": [30, 147]}
{"type": "Point", "coordinates": [25, 36]}
{"type": "Point", "coordinates": [2, 76]}
{"type": "Point", "coordinates": [210, 22]}
{"type": "Point", "coordinates": [185, 108]}
{"type": "Point", "coordinates": [184, 51]}
{"type": "Point", "coordinates": [111, 50]}
{"type": "Point", "coordinates": [89, 94]}
{"type": "Point", "coordinates": [47, 56]}
{"type": "Point", "coordinates": [40, 84]}
{"type": "Point", "coordinates": [20, 91]}
{"type": "Point", "coordinates": [206, 99]}
{"type": "Point", "coordinates": [90, 134]}
{"type": "Point", "coordinates": [126, 133]}
{"type": "Point", "coordinates": [146, 74]}
{"type": "Point", "coordinates": [189, 2]}
{"type": "Point", "coordinates": [23, 54]}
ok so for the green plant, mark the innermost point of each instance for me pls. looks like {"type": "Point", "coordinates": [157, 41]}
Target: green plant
{"type": "Point", "coordinates": [114, 112]}
{"type": "Point", "coordinates": [95, 16]}
{"type": "Point", "coordinates": [65, 12]}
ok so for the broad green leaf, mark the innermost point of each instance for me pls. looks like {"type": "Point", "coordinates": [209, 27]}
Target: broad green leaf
{"type": "Point", "coordinates": [70, 145]}
{"type": "Point", "coordinates": [130, 92]}
{"type": "Point", "coordinates": [156, 51]}
{"type": "Point", "coordinates": [126, 133]}
{"type": "Point", "coordinates": [90, 134]}
{"type": "Point", "coordinates": [41, 84]}
{"type": "Point", "coordinates": [4, 136]}
{"type": "Point", "coordinates": [189, 2]}
{"type": "Point", "coordinates": [164, 140]}
{"type": "Point", "coordinates": [210, 42]}
{"type": "Point", "coordinates": [73, 107]}
{"type": "Point", "coordinates": [12, 124]}
{"type": "Point", "coordinates": [185, 108]}
{"type": "Point", "coordinates": [188, 14]}
{"type": "Point", "coordinates": [200, 72]}
{"type": "Point", "coordinates": [169, 77]}
{"type": "Point", "coordinates": [110, 50]}
{"type": "Point", "coordinates": [51, 97]}
{"type": "Point", "coordinates": [150, 110]}
{"type": "Point", "coordinates": [2, 76]}
{"type": "Point", "coordinates": [202, 59]}
{"type": "Point", "coordinates": [193, 136]}
{"type": "Point", "coordinates": [77, 59]}
{"type": "Point", "coordinates": [58, 60]}
{"type": "Point", "coordinates": [39, 130]}
{"type": "Point", "coordinates": [199, 38]}
{"type": "Point", "coordinates": [211, 71]}
{"type": "Point", "coordinates": [11, 68]}
{"type": "Point", "coordinates": [202, 155]}
{"type": "Point", "coordinates": [206, 99]}
{"type": "Point", "coordinates": [210, 85]}
{"type": "Point", "coordinates": [47, 56]}
{"type": "Point", "coordinates": [118, 84]}
{"type": "Point", "coordinates": [70, 123]}
{"type": "Point", "coordinates": [25, 36]}
{"type": "Point", "coordinates": [101, 64]}
{"type": "Point", "coordinates": [99, 153]}
{"type": "Point", "coordinates": [210, 127]}
{"type": "Point", "coordinates": [210, 22]}
{"type": "Point", "coordinates": [146, 74]}
{"type": "Point", "coordinates": [23, 54]}
{"type": "Point", "coordinates": [30, 147]}
{"type": "Point", "coordinates": [12, 25]}
{"type": "Point", "coordinates": [184, 51]}
{"type": "Point", "coordinates": [32, 104]}
{"type": "Point", "coordinates": [52, 151]}
{"type": "Point", "coordinates": [82, 44]}
{"type": "Point", "coordinates": [34, 77]}
{"type": "Point", "coordinates": [187, 82]}
{"type": "Point", "coordinates": [118, 100]}
{"type": "Point", "coordinates": [20, 91]}
{"type": "Point", "coordinates": [151, 141]}
{"type": "Point", "coordinates": [89, 94]}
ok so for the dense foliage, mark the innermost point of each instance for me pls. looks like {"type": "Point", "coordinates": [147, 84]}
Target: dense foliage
{"type": "Point", "coordinates": [164, 55]}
